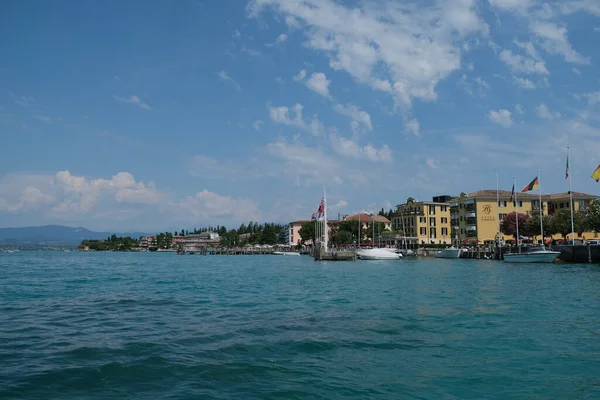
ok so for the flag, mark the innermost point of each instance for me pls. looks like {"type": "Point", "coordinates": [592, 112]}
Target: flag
{"type": "Point", "coordinates": [532, 186]}
{"type": "Point", "coordinates": [313, 217]}
{"type": "Point", "coordinates": [596, 174]}
{"type": "Point", "coordinates": [512, 194]}
{"type": "Point", "coordinates": [321, 209]}
{"type": "Point", "coordinates": [567, 170]}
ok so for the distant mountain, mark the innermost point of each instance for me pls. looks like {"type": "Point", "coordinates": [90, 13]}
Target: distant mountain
{"type": "Point", "coordinates": [55, 234]}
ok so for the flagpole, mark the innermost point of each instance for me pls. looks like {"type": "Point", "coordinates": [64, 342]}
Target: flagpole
{"type": "Point", "coordinates": [541, 209]}
{"type": "Point", "coordinates": [570, 195]}
{"type": "Point", "coordinates": [516, 205]}
{"type": "Point", "coordinates": [325, 239]}
{"type": "Point", "coordinates": [498, 206]}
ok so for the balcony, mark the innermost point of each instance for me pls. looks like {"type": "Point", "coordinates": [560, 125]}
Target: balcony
{"type": "Point", "coordinates": [454, 216]}
{"type": "Point", "coordinates": [470, 228]}
{"type": "Point", "coordinates": [470, 214]}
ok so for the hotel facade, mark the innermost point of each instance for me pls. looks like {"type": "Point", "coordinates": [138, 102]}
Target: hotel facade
{"type": "Point", "coordinates": [475, 215]}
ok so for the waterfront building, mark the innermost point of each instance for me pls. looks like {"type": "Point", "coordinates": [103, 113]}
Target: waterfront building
{"type": "Point", "coordinates": [147, 241]}
{"type": "Point", "coordinates": [367, 219]}
{"type": "Point", "coordinates": [292, 235]}
{"type": "Point", "coordinates": [474, 216]}
{"type": "Point", "coordinates": [427, 221]}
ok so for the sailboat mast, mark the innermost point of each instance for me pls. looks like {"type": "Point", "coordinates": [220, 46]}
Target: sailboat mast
{"type": "Point", "coordinates": [325, 235]}
{"type": "Point", "coordinates": [516, 205]}
{"type": "Point", "coordinates": [497, 205]}
{"type": "Point", "coordinates": [541, 208]}
{"type": "Point", "coordinates": [359, 230]}
{"type": "Point", "coordinates": [570, 195]}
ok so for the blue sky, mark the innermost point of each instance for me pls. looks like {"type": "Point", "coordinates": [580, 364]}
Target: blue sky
{"type": "Point", "coordinates": [161, 115]}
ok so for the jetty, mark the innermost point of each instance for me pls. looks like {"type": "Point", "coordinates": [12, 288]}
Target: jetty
{"type": "Point", "coordinates": [320, 253]}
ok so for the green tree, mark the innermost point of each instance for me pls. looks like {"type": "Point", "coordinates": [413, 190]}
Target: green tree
{"type": "Point", "coordinates": [591, 216]}
{"type": "Point", "coordinates": [561, 222]}
{"type": "Point", "coordinates": [307, 231]}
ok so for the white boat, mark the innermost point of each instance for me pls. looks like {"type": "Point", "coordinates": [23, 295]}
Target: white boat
{"type": "Point", "coordinates": [533, 255]}
{"type": "Point", "coordinates": [378, 254]}
{"type": "Point", "coordinates": [286, 253]}
{"type": "Point", "coordinates": [450, 252]}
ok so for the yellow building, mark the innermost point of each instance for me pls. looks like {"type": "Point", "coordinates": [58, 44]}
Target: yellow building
{"type": "Point", "coordinates": [474, 216]}
{"type": "Point", "coordinates": [428, 222]}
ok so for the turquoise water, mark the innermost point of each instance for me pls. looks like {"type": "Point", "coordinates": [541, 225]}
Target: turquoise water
{"type": "Point", "coordinates": [140, 326]}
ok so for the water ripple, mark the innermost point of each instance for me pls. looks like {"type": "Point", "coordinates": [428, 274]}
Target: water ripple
{"type": "Point", "coordinates": [109, 325]}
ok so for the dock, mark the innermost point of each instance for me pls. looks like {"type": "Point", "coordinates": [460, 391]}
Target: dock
{"type": "Point", "coordinates": [322, 254]}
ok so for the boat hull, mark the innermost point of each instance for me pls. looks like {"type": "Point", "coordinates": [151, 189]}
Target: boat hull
{"type": "Point", "coordinates": [378, 254]}
{"type": "Point", "coordinates": [285, 253]}
{"type": "Point", "coordinates": [545, 257]}
{"type": "Point", "coordinates": [448, 253]}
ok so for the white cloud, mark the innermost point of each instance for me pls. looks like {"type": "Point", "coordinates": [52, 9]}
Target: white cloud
{"type": "Point", "coordinates": [554, 40]}
{"type": "Point", "coordinates": [412, 126]}
{"type": "Point", "coordinates": [544, 112]}
{"type": "Point", "coordinates": [226, 78]}
{"type": "Point", "coordinates": [293, 117]}
{"type": "Point", "coordinates": [511, 5]}
{"type": "Point", "coordinates": [281, 38]}
{"type": "Point", "coordinates": [501, 117]}
{"type": "Point", "coordinates": [576, 71]}
{"type": "Point", "coordinates": [399, 48]}
{"type": "Point", "coordinates": [133, 100]}
{"type": "Point", "coordinates": [523, 82]}
{"type": "Point", "coordinates": [257, 124]}
{"type": "Point", "coordinates": [319, 83]}
{"type": "Point", "coordinates": [23, 101]}
{"type": "Point", "coordinates": [361, 120]}
{"type": "Point", "coordinates": [481, 82]}
{"type": "Point", "coordinates": [520, 64]}
{"type": "Point", "coordinates": [349, 148]}
{"type": "Point", "coordinates": [206, 205]}
{"type": "Point", "coordinates": [519, 109]}
{"type": "Point", "coordinates": [301, 75]}
{"type": "Point", "coordinates": [279, 80]}
{"type": "Point", "coordinates": [432, 163]}
{"type": "Point", "coordinates": [592, 97]}
{"type": "Point", "coordinates": [43, 118]}
{"type": "Point", "coordinates": [236, 34]}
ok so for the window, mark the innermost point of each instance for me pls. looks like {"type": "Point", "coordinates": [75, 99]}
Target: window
{"type": "Point", "coordinates": [444, 231]}
{"type": "Point", "coordinates": [461, 218]}
{"type": "Point", "coordinates": [431, 210]}
{"type": "Point", "coordinates": [423, 231]}
{"type": "Point", "coordinates": [444, 208]}
{"type": "Point", "coordinates": [444, 220]}
{"type": "Point", "coordinates": [502, 216]}
{"type": "Point", "coordinates": [505, 203]}
{"type": "Point", "coordinates": [462, 205]}
{"type": "Point", "coordinates": [462, 231]}
{"type": "Point", "coordinates": [423, 220]}
{"type": "Point", "coordinates": [432, 233]}
{"type": "Point", "coordinates": [520, 203]}
{"type": "Point", "coordinates": [431, 221]}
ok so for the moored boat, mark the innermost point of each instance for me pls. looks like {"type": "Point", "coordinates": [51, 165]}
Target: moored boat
{"type": "Point", "coordinates": [533, 255]}
{"type": "Point", "coordinates": [450, 252]}
{"type": "Point", "coordinates": [286, 253]}
{"type": "Point", "coordinates": [378, 254]}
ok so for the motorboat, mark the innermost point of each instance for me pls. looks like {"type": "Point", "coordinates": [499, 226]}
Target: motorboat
{"type": "Point", "coordinates": [286, 253]}
{"type": "Point", "coordinates": [450, 252]}
{"type": "Point", "coordinates": [533, 255]}
{"type": "Point", "coordinates": [378, 254]}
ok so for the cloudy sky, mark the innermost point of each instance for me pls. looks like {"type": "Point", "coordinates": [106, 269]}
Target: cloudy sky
{"type": "Point", "coordinates": [167, 114]}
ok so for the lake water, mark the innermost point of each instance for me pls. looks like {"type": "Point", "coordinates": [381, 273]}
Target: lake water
{"type": "Point", "coordinates": [142, 326]}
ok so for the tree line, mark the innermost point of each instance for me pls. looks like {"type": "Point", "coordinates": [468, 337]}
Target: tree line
{"type": "Point", "coordinates": [113, 243]}
{"type": "Point", "coordinates": [558, 223]}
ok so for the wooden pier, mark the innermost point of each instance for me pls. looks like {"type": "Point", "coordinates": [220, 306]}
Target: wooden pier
{"type": "Point", "coordinates": [322, 254]}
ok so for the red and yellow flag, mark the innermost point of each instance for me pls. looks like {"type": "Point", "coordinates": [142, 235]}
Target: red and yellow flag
{"type": "Point", "coordinates": [596, 174]}
{"type": "Point", "coordinates": [534, 184]}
